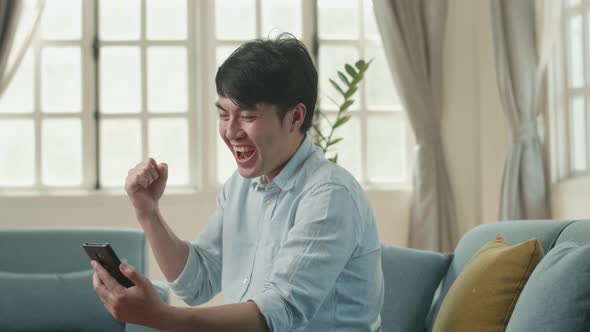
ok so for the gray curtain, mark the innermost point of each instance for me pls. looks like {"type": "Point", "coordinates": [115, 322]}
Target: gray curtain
{"type": "Point", "coordinates": [18, 23]}
{"type": "Point", "coordinates": [413, 32]}
{"type": "Point", "coordinates": [521, 57]}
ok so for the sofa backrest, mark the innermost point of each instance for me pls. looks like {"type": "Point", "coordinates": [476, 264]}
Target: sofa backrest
{"type": "Point", "coordinates": [549, 232]}
{"type": "Point", "coordinates": [59, 250]}
{"type": "Point", "coordinates": [578, 232]}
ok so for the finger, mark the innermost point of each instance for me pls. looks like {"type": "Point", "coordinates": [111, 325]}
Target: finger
{"type": "Point", "coordinates": [140, 181]}
{"type": "Point", "coordinates": [153, 172]}
{"type": "Point", "coordinates": [135, 276]}
{"type": "Point", "coordinates": [109, 282]}
{"type": "Point", "coordinates": [103, 294]}
{"type": "Point", "coordinates": [152, 162]}
{"type": "Point", "coordinates": [96, 282]}
{"type": "Point", "coordinates": [163, 171]}
{"type": "Point", "coordinates": [148, 175]}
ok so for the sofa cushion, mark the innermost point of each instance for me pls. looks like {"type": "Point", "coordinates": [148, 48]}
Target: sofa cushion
{"type": "Point", "coordinates": [52, 302]}
{"type": "Point", "coordinates": [546, 231]}
{"type": "Point", "coordinates": [557, 296]}
{"type": "Point", "coordinates": [484, 294]}
{"type": "Point", "coordinates": [411, 278]}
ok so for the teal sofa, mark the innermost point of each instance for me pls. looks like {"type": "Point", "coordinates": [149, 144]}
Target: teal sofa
{"type": "Point", "coordinates": [46, 279]}
{"type": "Point", "coordinates": [417, 281]}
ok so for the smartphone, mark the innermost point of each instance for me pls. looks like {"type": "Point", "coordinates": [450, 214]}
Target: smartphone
{"type": "Point", "coordinates": [104, 254]}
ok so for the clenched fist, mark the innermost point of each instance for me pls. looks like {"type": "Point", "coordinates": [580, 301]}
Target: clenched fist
{"type": "Point", "coordinates": [145, 186]}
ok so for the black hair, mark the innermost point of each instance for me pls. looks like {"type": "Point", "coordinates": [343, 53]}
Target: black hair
{"type": "Point", "coordinates": [278, 71]}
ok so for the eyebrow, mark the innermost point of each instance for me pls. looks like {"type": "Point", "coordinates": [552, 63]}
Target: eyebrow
{"type": "Point", "coordinates": [239, 109]}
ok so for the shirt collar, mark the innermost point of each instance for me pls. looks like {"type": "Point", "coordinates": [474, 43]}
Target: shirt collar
{"type": "Point", "coordinates": [286, 179]}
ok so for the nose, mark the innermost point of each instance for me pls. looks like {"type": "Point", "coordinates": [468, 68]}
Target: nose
{"type": "Point", "coordinates": [233, 129]}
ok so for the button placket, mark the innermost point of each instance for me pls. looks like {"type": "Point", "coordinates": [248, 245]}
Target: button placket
{"type": "Point", "coordinates": [270, 202]}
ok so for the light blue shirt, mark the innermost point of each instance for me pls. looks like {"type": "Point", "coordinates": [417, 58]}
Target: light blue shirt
{"type": "Point", "coordinates": [304, 248]}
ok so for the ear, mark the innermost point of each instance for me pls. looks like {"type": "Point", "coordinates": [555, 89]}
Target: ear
{"type": "Point", "coordinates": [297, 117]}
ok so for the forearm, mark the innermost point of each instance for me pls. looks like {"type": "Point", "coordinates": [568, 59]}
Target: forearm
{"type": "Point", "coordinates": [230, 317]}
{"type": "Point", "coordinates": [170, 252]}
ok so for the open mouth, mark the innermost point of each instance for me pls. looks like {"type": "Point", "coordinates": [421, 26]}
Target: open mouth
{"type": "Point", "coordinates": [244, 153]}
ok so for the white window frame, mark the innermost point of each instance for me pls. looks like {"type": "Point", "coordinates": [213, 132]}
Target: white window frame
{"type": "Point", "coordinates": [364, 111]}
{"type": "Point", "coordinates": [202, 119]}
{"type": "Point", "coordinates": [560, 95]}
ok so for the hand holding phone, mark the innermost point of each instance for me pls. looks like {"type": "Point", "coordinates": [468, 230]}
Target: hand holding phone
{"type": "Point", "coordinates": [104, 254]}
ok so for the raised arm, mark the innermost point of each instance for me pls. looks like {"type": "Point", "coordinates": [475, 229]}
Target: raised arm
{"type": "Point", "coordinates": [145, 186]}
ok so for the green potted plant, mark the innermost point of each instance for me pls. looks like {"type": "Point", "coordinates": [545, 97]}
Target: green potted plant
{"type": "Point", "coordinates": [325, 139]}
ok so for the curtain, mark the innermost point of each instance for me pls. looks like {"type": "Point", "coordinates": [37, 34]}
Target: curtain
{"type": "Point", "coordinates": [521, 61]}
{"type": "Point", "coordinates": [19, 20]}
{"type": "Point", "coordinates": [413, 32]}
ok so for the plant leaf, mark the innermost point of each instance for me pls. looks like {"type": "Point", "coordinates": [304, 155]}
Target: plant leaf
{"type": "Point", "coordinates": [350, 70]}
{"type": "Point", "coordinates": [334, 141]}
{"type": "Point", "coordinates": [346, 105]}
{"type": "Point", "coordinates": [350, 92]}
{"type": "Point", "coordinates": [360, 65]}
{"type": "Point", "coordinates": [336, 86]}
{"type": "Point", "coordinates": [343, 78]}
{"type": "Point", "coordinates": [341, 121]}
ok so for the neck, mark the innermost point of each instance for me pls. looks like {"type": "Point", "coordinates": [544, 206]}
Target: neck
{"type": "Point", "coordinates": [267, 178]}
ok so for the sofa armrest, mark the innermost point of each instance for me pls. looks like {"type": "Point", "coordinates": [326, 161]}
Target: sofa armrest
{"type": "Point", "coordinates": [164, 292]}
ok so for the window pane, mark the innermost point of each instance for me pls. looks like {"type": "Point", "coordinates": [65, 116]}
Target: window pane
{"type": "Point", "coordinates": [17, 153]}
{"type": "Point", "coordinates": [226, 163]}
{"type": "Point", "coordinates": [62, 152]}
{"type": "Point", "coordinates": [281, 16]}
{"type": "Point", "coordinates": [166, 19]}
{"type": "Point", "coordinates": [119, 19]}
{"type": "Point", "coordinates": [168, 143]}
{"type": "Point", "coordinates": [573, 3]}
{"type": "Point", "coordinates": [62, 19]}
{"type": "Point", "coordinates": [380, 90]}
{"type": "Point", "coordinates": [371, 29]}
{"type": "Point", "coordinates": [578, 135]}
{"type": "Point", "coordinates": [120, 150]}
{"type": "Point", "coordinates": [235, 19]}
{"type": "Point", "coordinates": [18, 97]}
{"type": "Point", "coordinates": [61, 79]}
{"type": "Point", "coordinates": [386, 154]}
{"type": "Point", "coordinates": [349, 149]}
{"type": "Point", "coordinates": [167, 79]}
{"type": "Point", "coordinates": [332, 59]}
{"type": "Point", "coordinates": [576, 53]}
{"type": "Point", "coordinates": [120, 80]}
{"type": "Point", "coordinates": [338, 19]}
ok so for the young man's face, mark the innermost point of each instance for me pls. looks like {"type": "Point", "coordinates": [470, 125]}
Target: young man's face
{"type": "Point", "coordinates": [260, 143]}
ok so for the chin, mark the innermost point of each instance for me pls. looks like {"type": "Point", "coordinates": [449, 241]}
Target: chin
{"type": "Point", "coordinates": [248, 174]}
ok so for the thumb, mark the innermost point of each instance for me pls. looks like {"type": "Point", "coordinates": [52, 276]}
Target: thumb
{"type": "Point", "coordinates": [133, 275]}
{"type": "Point", "coordinates": [163, 172]}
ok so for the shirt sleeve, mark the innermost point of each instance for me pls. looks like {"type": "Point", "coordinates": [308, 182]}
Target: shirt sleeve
{"type": "Point", "coordinates": [325, 234]}
{"type": "Point", "coordinates": [200, 280]}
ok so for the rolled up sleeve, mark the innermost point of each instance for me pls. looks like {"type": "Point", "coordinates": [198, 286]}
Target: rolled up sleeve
{"type": "Point", "coordinates": [324, 237]}
{"type": "Point", "coordinates": [200, 279]}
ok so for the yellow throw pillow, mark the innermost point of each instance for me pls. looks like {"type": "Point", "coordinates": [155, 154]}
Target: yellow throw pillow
{"type": "Point", "coordinates": [485, 292]}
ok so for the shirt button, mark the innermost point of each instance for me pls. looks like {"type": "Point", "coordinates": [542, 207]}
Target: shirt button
{"type": "Point", "coordinates": [245, 281]}
{"type": "Point", "coordinates": [269, 201]}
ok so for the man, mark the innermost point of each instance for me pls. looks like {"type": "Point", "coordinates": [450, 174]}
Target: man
{"type": "Point", "coordinates": [293, 242]}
